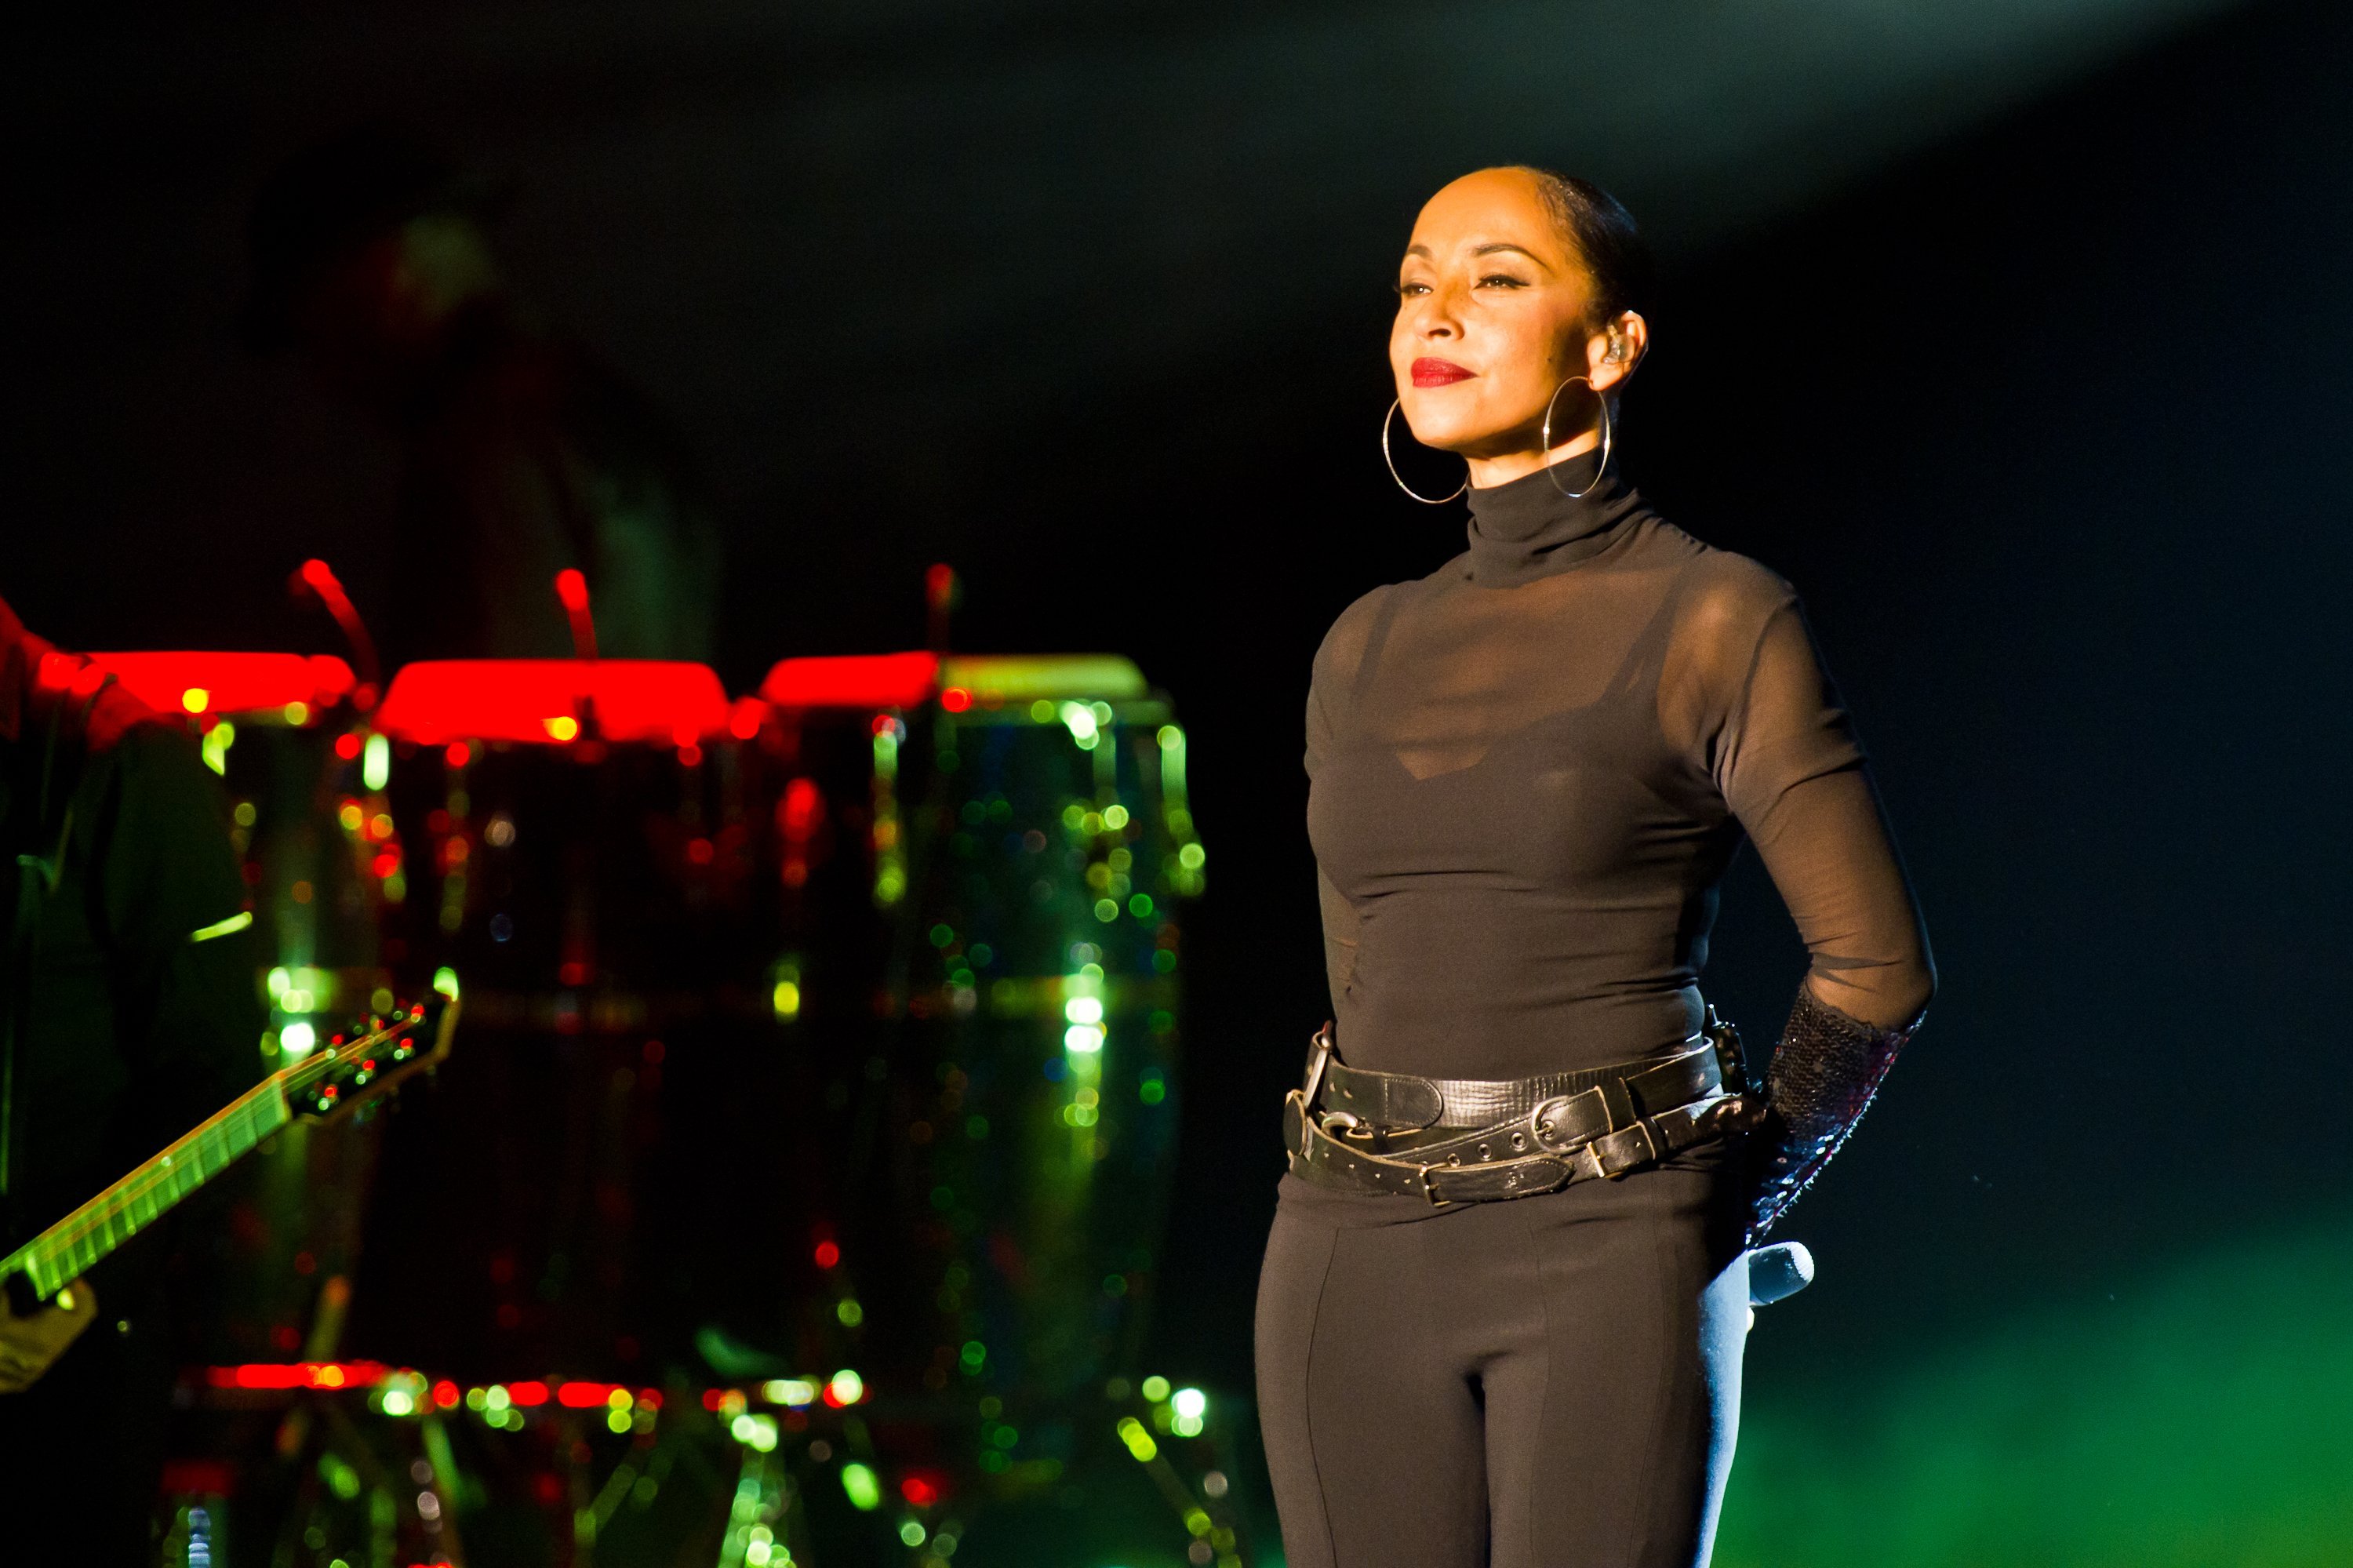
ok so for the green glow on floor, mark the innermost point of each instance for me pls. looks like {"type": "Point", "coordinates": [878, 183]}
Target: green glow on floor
{"type": "Point", "coordinates": [2202, 1417]}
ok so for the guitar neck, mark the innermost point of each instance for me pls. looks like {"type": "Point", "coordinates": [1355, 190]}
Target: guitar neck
{"type": "Point", "coordinates": [60, 1255]}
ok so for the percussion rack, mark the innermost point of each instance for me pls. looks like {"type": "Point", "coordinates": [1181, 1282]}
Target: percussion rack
{"type": "Point", "coordinates": [931, 898]}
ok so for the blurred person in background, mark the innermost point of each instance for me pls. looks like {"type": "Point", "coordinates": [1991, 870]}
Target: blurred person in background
{"type": "Point", "coordinates": [523, 454]}
{"type": "Point", "coordinates": [129, 1012]}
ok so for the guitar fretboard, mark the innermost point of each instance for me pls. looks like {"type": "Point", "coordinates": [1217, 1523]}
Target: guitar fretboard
{"type": "Point", "coordinates": [60, 1255]}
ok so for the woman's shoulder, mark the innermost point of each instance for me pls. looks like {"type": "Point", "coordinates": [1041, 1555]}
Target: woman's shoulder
{"type": "Point", "coordinates": [1344, 641]}
{"type": "Point", "coordinates": [1387, 599]}
{"type": "Point", "coordinates": [1716, 587]}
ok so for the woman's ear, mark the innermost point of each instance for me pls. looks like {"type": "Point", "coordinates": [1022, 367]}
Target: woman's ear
{"type": "Point", "coordinates": [1611, 353]}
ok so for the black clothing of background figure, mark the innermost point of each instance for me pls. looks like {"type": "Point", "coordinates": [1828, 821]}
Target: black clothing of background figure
{"type": "Point", "coordinates": [1529, 771]}
{"type": "Point", "coordinates": [523, 454]}
{"type": "Point", "coordinates": [125, 1032]}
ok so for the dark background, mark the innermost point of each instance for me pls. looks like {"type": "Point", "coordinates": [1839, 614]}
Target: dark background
{"type": "Point", "coordinates": [2015, 335]}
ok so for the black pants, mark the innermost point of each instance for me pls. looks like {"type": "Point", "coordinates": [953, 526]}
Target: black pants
{"type": "Point", "coordinates": [1544, 1383]}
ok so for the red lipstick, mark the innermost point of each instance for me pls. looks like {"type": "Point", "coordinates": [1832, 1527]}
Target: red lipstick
{"type": "Point", "coordinates": [1428, 372]}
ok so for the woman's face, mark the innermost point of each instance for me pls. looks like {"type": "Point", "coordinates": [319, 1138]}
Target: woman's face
{"type": "Point", "coordinates": [1493, 313]}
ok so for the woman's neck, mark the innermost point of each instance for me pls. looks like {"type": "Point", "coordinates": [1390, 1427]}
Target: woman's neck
{"type": "Point", "coordinates": [1502, 468]}
{"type": "Point", "coordinates": [1551, 519]}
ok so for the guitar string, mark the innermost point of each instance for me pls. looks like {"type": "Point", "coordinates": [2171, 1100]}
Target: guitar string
{"type": "Point", "coordinates": [71, 1232]}
{"type": "Point", "coordinates": [297, 1077]}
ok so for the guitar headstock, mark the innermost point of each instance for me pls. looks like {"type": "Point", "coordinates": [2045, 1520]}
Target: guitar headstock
{"type": "Point", "coordinates": [372, 1058]}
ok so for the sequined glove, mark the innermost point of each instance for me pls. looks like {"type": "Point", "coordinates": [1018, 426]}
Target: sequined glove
{"type": "Point", "coordinates": [1824, 1073]}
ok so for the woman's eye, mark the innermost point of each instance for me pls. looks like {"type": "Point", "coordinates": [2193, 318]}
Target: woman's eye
{"type": "Point", "coordinates": [1409, 290]}
{"type": "Point", "coordinates": [1499, 280]}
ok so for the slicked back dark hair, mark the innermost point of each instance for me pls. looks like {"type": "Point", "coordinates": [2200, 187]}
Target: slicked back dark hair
{"type": "Point", "coordinates": [1605, 239]}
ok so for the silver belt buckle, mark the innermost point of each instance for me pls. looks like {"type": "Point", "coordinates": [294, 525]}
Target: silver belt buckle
{"type": "Point", "coordinates": [1315, 1086]}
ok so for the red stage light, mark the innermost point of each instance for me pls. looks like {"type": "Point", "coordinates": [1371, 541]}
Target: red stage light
{"type": "Point", "coordinates": [535, 701]}
{"type": "Point", "coordinates": [572, 591]}
{"type": "Point", "coordinates": [853, 681]}
{"type": "Point", "coordinates": [586, 1395]}
{"type": "Point", "coordinates": [445, 1394]}
{"type": "Point", "coordinates": [232, 683]}
{"type": "Point", "coordinates": [526, 1394]}
{"type": "Point", "coordinates": [347, 746]}
{"type": "Point", "coordinates": [827, 1255]}
{"type": "Point", "coordinates": [299, 1374]}
{"type": "Point", "coordinates": [802, 803]}
{"type": "Point", "coordinates": [956, 699]}
{"type": "Point", "coordinates": [215, 1478]}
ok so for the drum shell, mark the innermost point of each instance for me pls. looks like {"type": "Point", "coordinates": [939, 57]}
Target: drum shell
{"type": "Point", "coordinates": [1019, 1111]}
{"type": "Point", "coordinates": [289, 1219]}
{"type": "Point", "coordinates": [572, 1194]}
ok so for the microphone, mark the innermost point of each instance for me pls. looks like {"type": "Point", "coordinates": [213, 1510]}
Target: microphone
{"type": "Point", "coordinates": [1778, 1272]}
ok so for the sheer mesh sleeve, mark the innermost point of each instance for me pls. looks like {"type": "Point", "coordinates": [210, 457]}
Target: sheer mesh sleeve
{"type": "Point", "coordinates": [1339, 664]}
{"type": "Point", "coordinates": [1787, 763]}
{"type": "Point", "coordinates": [1340, 918]}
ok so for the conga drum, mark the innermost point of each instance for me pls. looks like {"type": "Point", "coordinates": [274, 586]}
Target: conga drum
{"type": "Point", "coordinates": [590, 1189]}
{"type": "Point", "coordinates": [1021, 832]}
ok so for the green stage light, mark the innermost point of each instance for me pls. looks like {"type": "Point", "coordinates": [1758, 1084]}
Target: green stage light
{"type": "Point", "coordinates": [2184, 1420]}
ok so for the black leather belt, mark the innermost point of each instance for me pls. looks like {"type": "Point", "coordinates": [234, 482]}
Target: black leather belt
{"type": "Point", "coordinates": [1396, 1132]}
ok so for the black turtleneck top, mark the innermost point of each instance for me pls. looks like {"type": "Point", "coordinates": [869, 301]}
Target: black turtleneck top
{"type": "Point", "coordinates": [1529, 770]}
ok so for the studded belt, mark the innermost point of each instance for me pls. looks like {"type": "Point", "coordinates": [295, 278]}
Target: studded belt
{"type": "Point", "coordinates": [1469, 1140]}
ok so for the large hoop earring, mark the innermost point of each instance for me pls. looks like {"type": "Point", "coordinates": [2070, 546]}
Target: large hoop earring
{"type": "Point", "coordinates": [1606, 432]}
{"type": "Point", "coordinates": [1386, 420]}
